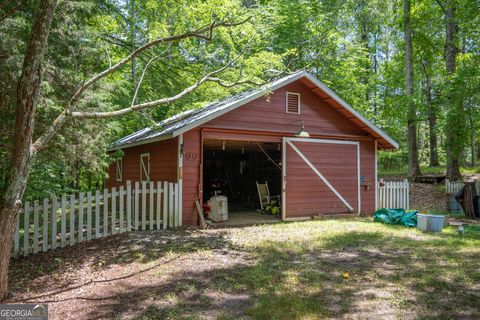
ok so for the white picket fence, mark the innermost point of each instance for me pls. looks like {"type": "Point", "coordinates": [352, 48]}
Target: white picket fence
{"type": "Point", "coordinates": [452, 187]}
{"type": "Point", "coordinates": [42, 225]}
{"type": "Point", "coordinates": [393, 194]}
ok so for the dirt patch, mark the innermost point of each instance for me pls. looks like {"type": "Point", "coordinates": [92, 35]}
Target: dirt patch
{"type": "Point", "coordinates": [428, 197]}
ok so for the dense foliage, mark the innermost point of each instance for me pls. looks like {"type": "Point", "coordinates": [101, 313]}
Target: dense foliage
{"type": "Point", "coordinates": [355, 47]}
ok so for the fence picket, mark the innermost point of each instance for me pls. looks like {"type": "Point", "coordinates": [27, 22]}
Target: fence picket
{"type": "Point", "coordinates": [97, 214]}
{"type": "Point", "coordinates": [63, 221]}
{"type": "Point", "coordinates": [159, 195]}
{"type": "Point", "coordinates": [105, 212]}
{"type": "Point", "coordinates": [137, 195]}
{"type": "Point", "coordinates": [144, 206]}
{"type": "Point", "coordinates": [81, 201]}
{"type": "Point", "coordinates": [151, 205]}
{"type": "Point", "coordinates": [45, 213]}
{"type": "Point", "coordinates": [26, 228]}
{"type": "Point", "coordinates": [121, 208]}
{"type": "Point", "coordinates": [53, 222]}
{"type": "Point", "coordinates": [165, 203]}
{"type": "Point", "coordinates": [89, 215]}
{"type": "Point", "coordinates": [114, 209]}
{"type": "Point", "coordinates": [170, 205]}
{"type": "Point", "coordinates": [36, 208]}
{"type": "Point", "coordinates": [72, 219]}
{"type": "Point", "coordinates": [129, 206]}
{"type": "Point", "coordinates": [176, 206]}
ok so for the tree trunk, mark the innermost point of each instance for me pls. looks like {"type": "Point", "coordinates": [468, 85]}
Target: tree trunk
{"type": "Point", "coordinates": [454, 125]}
{"type": "Point", "coordinates": [472, 136]}
{"type": "Point", "coordinates": [28, 90]}
{"type": "Point", "coordinates": [413, 164]}
{"type": "Point", "coordinates": [432, 120]}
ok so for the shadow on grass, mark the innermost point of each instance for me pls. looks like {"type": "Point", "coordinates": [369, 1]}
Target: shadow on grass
{"type": "Point", "coordinates": [409, 275]}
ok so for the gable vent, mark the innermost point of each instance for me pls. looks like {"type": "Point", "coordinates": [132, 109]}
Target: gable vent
{"type": "Point", "coordinates": [293, 102]}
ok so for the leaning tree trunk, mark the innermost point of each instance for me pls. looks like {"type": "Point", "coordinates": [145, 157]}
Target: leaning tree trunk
{"type": "Point", "coordinates": [28, 90]}
{"type": "Point", "coordinates": [413, 164]}
{"type": "Point", "coordinates": [454, 143]}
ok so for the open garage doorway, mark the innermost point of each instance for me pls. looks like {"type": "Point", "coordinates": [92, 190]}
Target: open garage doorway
{"type": "Point", "coordinates": [231, 170]}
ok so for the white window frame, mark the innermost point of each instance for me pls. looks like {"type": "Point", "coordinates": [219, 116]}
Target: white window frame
{"type": "Point", "coordinates": [145, 170]}
{"type": "Point", "coordinates": [286, 101]}
{"type": "Point", "coordinates": [119, 169]}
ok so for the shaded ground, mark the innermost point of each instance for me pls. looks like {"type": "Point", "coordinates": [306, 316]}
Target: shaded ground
{"type": "Point", "coordinates": [342, 269]}
{"type": "Point", "coordinates": [428, 197]}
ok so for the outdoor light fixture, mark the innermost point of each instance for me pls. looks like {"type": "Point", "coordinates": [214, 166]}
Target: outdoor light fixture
{"type": "Point", "coordinates": [223, 145]}
{"type": "Point", "coordinates": [302, 133]}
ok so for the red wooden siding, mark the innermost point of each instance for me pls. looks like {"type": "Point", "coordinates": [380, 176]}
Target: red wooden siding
{"type": "Point", "coordinates": [163, 163]}
{"type": "Point", "coordinates": [367, 170]}
{"type": "Point", "coordinates": [191, 175]}
{"type": "Point", "coordinates": [306, 193]}
{"type": "Point", "coordinates": [268, 114]}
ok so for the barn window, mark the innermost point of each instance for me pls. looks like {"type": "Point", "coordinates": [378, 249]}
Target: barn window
{"type": "Point", "coordinates": [119, 169]}
{"type": "Point", "coordinates": [145, 167]}
{"type": "Point", "coordinates": [292, 102]}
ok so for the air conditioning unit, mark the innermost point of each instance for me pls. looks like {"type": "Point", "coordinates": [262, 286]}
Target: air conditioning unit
{"type": "Point", "coordinates": [218, 208]}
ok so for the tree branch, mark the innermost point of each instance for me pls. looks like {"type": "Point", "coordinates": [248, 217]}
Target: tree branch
{"type": "Point", "coordinates": [67, 112]}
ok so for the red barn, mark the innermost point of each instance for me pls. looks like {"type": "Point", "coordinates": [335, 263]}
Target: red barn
{"type": "Point", "coordinates": [311, 147]}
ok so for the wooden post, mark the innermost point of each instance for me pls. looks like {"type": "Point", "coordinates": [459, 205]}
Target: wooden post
{"type": "Point", "coordinates": [26, 228]}
{"type": "Point", "coordinates": [177, 205]}
{"type": "Point", "coordinates": [114, 208]}
{"type": "Point", "coordinates": [129, 206]}
{"type": "Point", "coordinates": [121, 209]}
{"type": "Point", "coordinates": [151, 205]}
{"type": "Point", "coordinates": [144, 205]}
{"type": "Point", "coordinates": [170, 205]}
{"type": "Point", "coordinates": [89, 215]}
{"type": "Point", "coordinates": [46, 213]}
{"type": "Point", "coordinates": [36, 222]}
{"type": "Point", "coordinates": [81, 201]}
{"type": "Point", "coordinates": [137, 195]}
{"type": "Point", "coordinates": [63, 221]}
{"type": "Point", "coordinates": [53, 222]}
{"type": "Point", "coordinates": [105, 212]}
{"type": "Point", "coordinates": [165, 205]}
{"type": "Point", "coordinates": [159, 198]}
{"type": "Point", "coordinates": [72, 219]}
{"type": "Point", "coordinates": [97, 214]}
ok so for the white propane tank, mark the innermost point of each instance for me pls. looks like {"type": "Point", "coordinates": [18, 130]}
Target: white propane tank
{"type": "Point", "coordinates": [218, 208]}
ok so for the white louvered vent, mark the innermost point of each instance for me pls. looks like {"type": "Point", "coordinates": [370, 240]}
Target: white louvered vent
{"type": "Point", "coordinates": [293, 102]}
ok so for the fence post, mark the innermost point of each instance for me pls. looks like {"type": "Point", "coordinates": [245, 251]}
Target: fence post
{"type": "Point", "coordinates": [89, 215]}
{"type": "Point", "coordinates": [63, 221]}
{"type": "Point", "coordinates": [144, 205]}
{"type": "Point", "coordinates": [121, 208]}
{"type": "Point", "coordinates": [137, 213]}
{"type": "Point", "coordinates": [105, 212]}
{"type": "Point", "coordinates": [97, 214]}
{"type": "Point", "coordinates": [26, 228]}
{"type": "Point", "coordinates": [151, 205]}
{"type": "Point", "coordinates": [45, 225]}
{"type": "Point", "coordinates": [175, 203]}
{"type": "Point", "coordinates": [165, 205]}
{"type": "Point", "coordinates": [114, 208]}
{"type": "Point", "coordinates": [72, 219]}
{"type": "Point", "coordinates": [408, 194]}
{"type": "Point", "coordinates": [159, 195]}
{"type": "Point", "coordinates": [170, 205]}
{"type": "Point", "coordinates": [129, 205]}
{"type": "Point", "coordinates": [53, 221]}
{"type": "Point", "coordinates": [81, 200]}
{"type": "Point", "coordinates": [36, 222]}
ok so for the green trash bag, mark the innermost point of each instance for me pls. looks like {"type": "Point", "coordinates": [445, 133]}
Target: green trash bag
{"type": "Point", "coordinates": [396, 216]}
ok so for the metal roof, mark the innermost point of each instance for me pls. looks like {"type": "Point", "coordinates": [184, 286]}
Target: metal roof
{"type": "Point", "coordinates": [190, 119]}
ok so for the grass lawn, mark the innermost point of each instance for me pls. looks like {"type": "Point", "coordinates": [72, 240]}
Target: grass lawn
{"type": "Point", "coordinates": [401, 172]}
{"type": "Point", "coordinates": [308, 270]}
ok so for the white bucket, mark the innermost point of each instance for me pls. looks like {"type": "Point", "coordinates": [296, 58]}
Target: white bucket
{"type": "Point", "coordinates": [430, 222]}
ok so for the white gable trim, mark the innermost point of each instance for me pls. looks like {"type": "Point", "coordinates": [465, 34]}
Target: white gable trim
{"type": "Point", "coordinates": [287, 80]}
